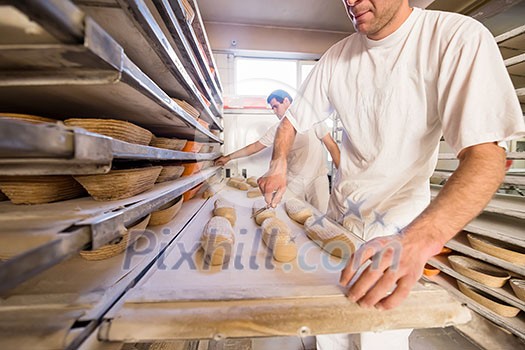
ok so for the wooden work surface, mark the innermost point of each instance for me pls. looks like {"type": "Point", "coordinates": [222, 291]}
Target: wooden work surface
{"type": "Point", "coordinates": [255, 296]}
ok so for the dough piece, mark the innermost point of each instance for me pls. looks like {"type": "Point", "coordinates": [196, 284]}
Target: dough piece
{"type": "Point", "coordinates": [243, 186]}
{"type": "Point", "coordinates": [238, 178]}
{"type": "Point", "coordinates": [217, 241]}
{"type": "Point", "coordinates": [330, 237]}
{"type": "Point", "coordinates": [252, 181]}
{"type": "Point", "coordinates": [255, 192]}
{"type": "Point", "coordinates": [208, 193]}
{"type": "Point", "coordinates": [225, 209]}
{"type": "Point", "coordinates": [277, 237]}
{"type": "Point", "coordinates": [268, 213]}
{"type": "Point", "coordinates": [297, 210]}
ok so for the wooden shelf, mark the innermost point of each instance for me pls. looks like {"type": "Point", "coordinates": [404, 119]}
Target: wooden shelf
{"type": "Point", "coordinates": [504, 204]}
{"type": "Point", "coordinates": [90, 80]}
{"type": "Point", "coordinates": [460, 243]}
{"type": "Point", "coordinates": [29, 149]}
{"type": "Point", "coordinates": [133, 25]}
{"type": "Point", "coordinates": [62, 229]}
{"type": "Point", "coordinates": [505, 293]}
{"type": "Point", "coordinates": [80, 292]}
{"type": "Point", "coordinates": [515, 325]}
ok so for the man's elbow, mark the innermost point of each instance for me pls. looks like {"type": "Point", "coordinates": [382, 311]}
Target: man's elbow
{"type": "Point", "coordinates": [489, 155]}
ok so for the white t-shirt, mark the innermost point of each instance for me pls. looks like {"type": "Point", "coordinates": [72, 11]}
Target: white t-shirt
{"type": "Point", "coordinates": [438, 74]}
{"type": "Point", "coordinates": [307, 158]}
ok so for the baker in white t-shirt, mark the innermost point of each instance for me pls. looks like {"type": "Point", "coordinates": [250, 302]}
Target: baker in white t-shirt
{"type": "Point", "coordinates": [406, 78]}
{"type": "Point", "coordinates": [307, 171]}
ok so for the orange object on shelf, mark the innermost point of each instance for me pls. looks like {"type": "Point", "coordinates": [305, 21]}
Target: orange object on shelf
{"type": "Point", "coordinates": [192, 146]}
{"type": "Point", "coordinates": [430, 270]}
{"type": "Point", "coordinates": [204, 123]}
{"type": "Point", "coordinates": [192, 168]}
{"type": "Point", "coordinates": [189, 194]}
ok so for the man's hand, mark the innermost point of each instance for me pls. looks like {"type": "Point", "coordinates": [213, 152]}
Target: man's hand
{"type": "Point", "coordinates": [273, 183]}
{"type": "Point", "coordinates": [222, 160]}
{"type": "Point", "coordinates": [397, 263]}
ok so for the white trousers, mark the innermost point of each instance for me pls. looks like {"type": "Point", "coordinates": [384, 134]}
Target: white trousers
{"type": "Point", "coordinates": [312, 190]}
{"type": "Point", "coordinates": [391, 340]}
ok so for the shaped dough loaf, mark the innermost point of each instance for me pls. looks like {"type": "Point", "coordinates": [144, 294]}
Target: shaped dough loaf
{"type": "Point", "coordinates": [255, 192]}
{"type": "Point", "coordinates": [277, 237]}
{"type": "Point", "coordinates": [328, 236]}
{"type": "Point", "coordinates": [268, 213]}
{"type": "Point", "coordinates": [298, 210]}
{"type": "Point", "coordinates": [241, 185]}
{"type": "Point", "coordinates": [225, 209]}
{"type": "Point", "coordinates": [252, 181]}
{"type": "Point", "coordinates": [217, 241]}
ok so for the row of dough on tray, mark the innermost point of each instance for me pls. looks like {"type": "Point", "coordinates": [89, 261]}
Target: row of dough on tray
{"type": "Point", "coordinates": [218, 235]}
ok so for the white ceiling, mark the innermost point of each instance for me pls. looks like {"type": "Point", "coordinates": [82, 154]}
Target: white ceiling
{"type": "Point", "coordinates": [325, 15]}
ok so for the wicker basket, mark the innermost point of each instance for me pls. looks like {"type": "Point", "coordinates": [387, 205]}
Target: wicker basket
{"type": "Point", "coordinates": [166, 213]}
{"type": "Point", "coordinates": [192, 168]}
{"type": "Point", "coordinates": [479, 271]}
{"type": "Point", "coordinates": [33, 119]}
{"type": "Point", "coordinates": [488, 301]}
{"type": "Point", "coordinates": [170, 172]}
{"type": "Point", "coordinates": [503, 250]}
{"type": "Point", "coordinates": [518, 286]}
{"type": "Point", "coordinates": [172, 144]}
{"type": "Point", "coordinates": [40, 189]}
{"type": "Point", "coordinates": [192, 192]}
{"type": "Point", "coordinates": [110, 250]}
{"type": "Point", "coordinates": [119, 184]}
{"type": "Point", "coordinates": [188, 108]}
{"type": "Point", "coordinates": [117, 129]}
{"type": "Point", "coordinates": [192, 146]}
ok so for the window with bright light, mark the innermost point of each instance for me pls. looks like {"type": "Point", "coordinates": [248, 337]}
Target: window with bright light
{"type": "Point", "coordinates": [262, 76]}
{"type": "Point", "coordinates": [259, 76]}
{"type": "Point", "coordinates": [306, 68]}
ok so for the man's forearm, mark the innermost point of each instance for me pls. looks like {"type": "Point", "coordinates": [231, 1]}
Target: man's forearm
{"type": "Point", "coordinates": [247, 151]}
{"type": "Point", "coordinates": [283, 142]}
{"type": "Point", "coordinates": [466, 193]}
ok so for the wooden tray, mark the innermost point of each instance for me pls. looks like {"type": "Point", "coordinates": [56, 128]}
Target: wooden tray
{"type": "Point", "coordinates": [170, 172]}
{"type": "Point", "coordinates": [481, 272]}
{"type": "Point", "coordinates": [33, 119]}
{"type": "Point", "coordinates": [166, 213]}
{"type": "Point", "coordinates": [488, 301]}
{"type": "Point", "coordinates": [518, 286]}
{"type": "Point", "coordinates": [118, 246]}
{"type": "Point", "coordinates": [503, 250]}
{"type": "Point", "coordinates": [117, 129]}
{"type": "Point", "coordinates": [167, 143]}
{"type": "Point", "coordinates": [119, 184]}
{"type": "Point", "coordinates": [40, 189]}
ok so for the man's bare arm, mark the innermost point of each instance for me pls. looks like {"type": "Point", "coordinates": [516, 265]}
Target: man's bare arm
{"type": "Point", "coordinates": [467, 192]}
{"type": "Point", "coordinates": [332, 147]}
{"type": "Point", "coordinates": [275, 178]}
{"type": "Point", "coordinates": [243, 152]}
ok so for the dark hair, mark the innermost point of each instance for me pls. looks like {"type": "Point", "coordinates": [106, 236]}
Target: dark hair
{"type": "Point", "coordinates": [279, 95]}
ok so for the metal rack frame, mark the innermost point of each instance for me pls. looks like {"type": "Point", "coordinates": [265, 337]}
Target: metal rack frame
{"type": "Point", "coordinates": [95, 231]}
{"type": "Point", "coordinates": [28, 149]}
{"type": "Point", "coordinates": [98, 69]}
{"type": "Point", "coordinates": [133, 25]}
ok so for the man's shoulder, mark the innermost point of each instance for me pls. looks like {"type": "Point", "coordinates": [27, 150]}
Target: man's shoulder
{"type": "Point", "coordinates": [450, 22]}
